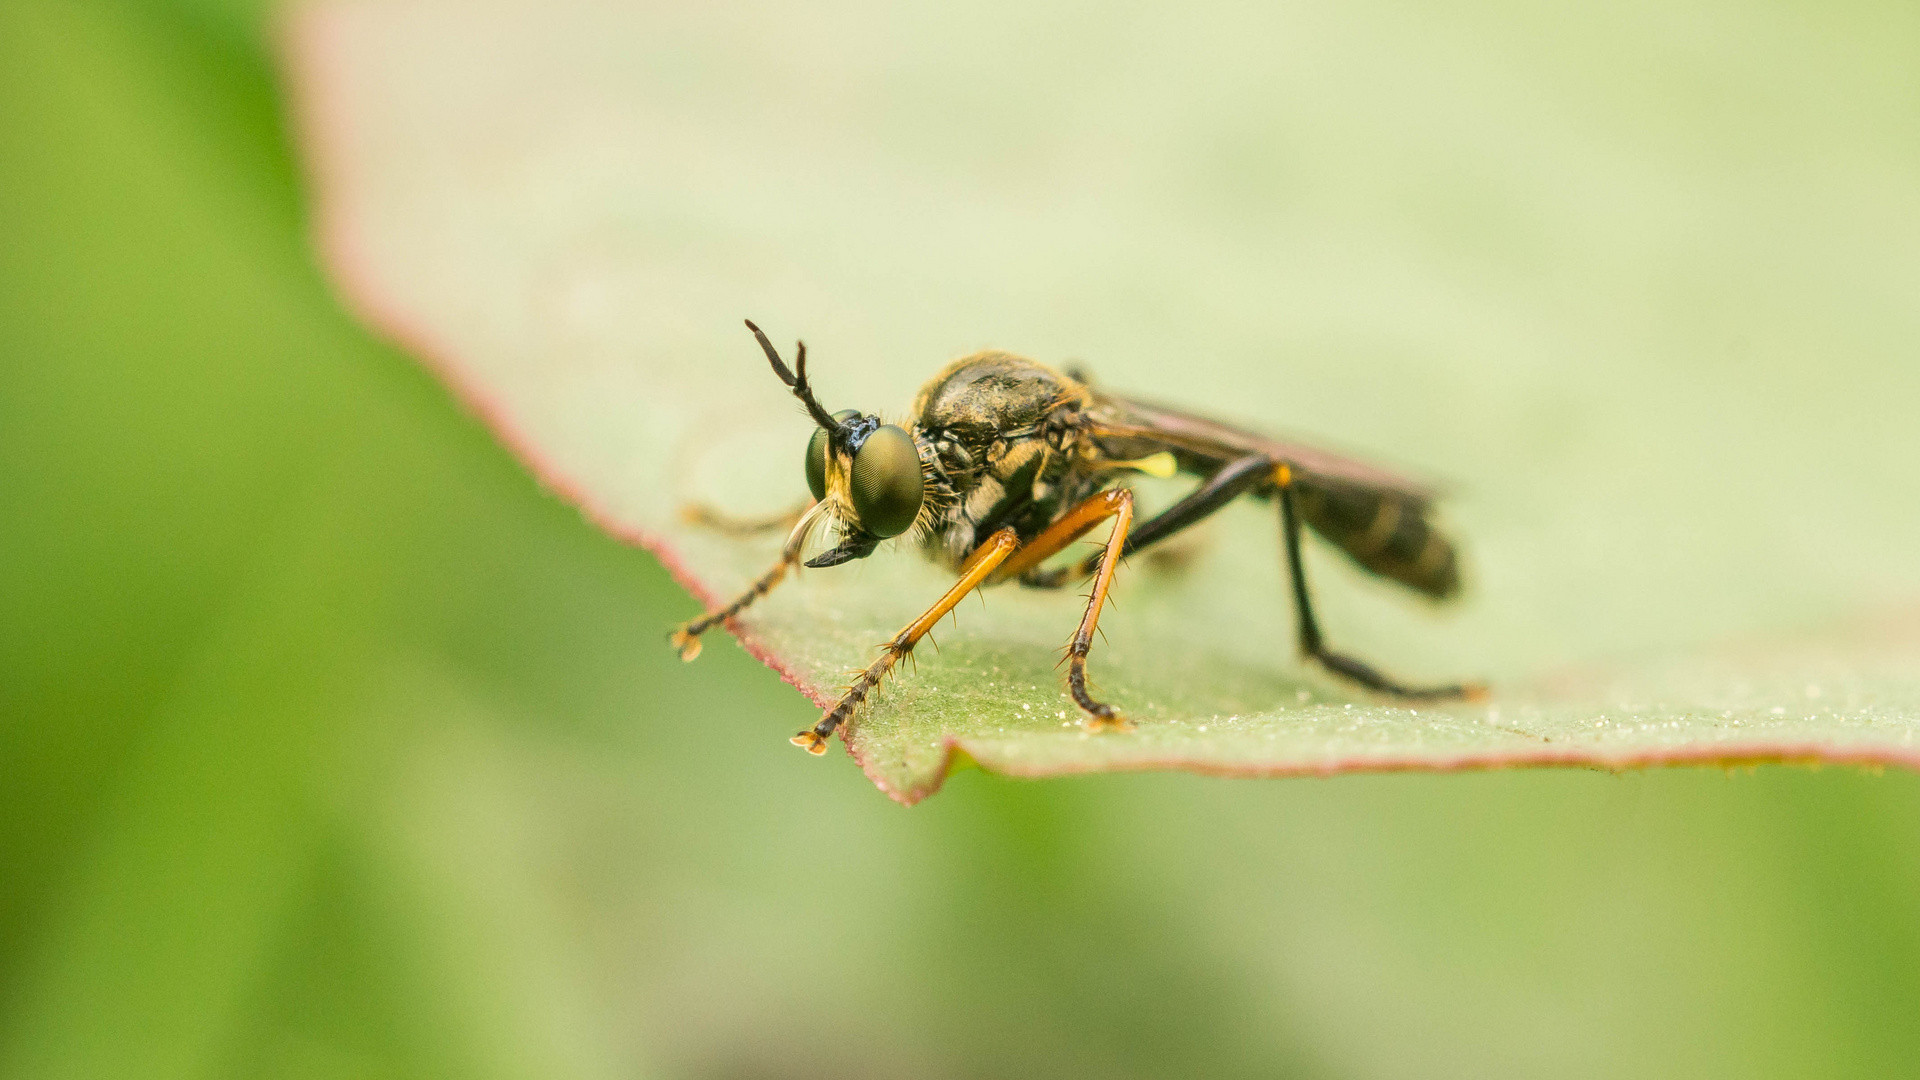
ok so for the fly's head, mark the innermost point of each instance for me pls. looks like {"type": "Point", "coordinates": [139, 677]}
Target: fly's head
{"type": "Point", "coordinates": [871, 477]}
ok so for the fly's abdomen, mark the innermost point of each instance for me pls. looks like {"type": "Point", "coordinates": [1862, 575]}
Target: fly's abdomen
{"type": "Point", "coordinates": [1386, 532]}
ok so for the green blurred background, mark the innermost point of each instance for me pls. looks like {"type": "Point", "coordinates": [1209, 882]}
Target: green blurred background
{"type": "Point", "coordinates": [331, 746]}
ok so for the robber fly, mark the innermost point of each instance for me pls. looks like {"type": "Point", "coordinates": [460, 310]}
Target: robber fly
{"type": "Point", "coordinates": [1003, 462]}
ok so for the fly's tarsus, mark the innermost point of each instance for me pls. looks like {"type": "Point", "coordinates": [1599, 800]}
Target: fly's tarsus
{"type": "Point", "coordinates": [686, 642]}
{"type": "Point", "coordinates": [1100, 715]}
{"type": "Point", "coordinates": [1366, 675]}
{"type": "Point", "coordinates": [686, 639]}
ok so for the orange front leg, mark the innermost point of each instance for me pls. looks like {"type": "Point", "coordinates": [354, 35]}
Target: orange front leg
{"type": "Point", "coordinates": [1117, 504]}
{"type": "Point", "coordinates": [1067, 528]}
{"type": "Point", "coordinates": [999, 559]}
{"type": "Point", "coordinates": [977, 569]}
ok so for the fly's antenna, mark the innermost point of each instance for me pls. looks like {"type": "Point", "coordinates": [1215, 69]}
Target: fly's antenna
{"type": "Point", "coordinates": [795, 383]}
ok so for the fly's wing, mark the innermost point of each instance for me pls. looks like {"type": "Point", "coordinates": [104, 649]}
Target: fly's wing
{"type": "Point", "coordinates": [1381, 520]}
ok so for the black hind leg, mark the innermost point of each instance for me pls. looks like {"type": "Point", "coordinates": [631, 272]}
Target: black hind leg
{"type": "Point", "coordinates": [1315, 647]}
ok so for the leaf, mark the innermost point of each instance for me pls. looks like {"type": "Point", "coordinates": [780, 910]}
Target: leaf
{"type": "Point", "coordinates": [1654, 334]}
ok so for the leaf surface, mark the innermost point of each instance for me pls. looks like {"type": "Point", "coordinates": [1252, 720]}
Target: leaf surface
{"type": "Point", "coordinates": [1654, 336]}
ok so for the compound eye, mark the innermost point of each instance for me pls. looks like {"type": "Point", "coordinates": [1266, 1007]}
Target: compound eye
{"type": "Point", "coordinates": [817, 463]}
{"type": "Point", "coordinates": [817, 455]}
{"type": "Point", "coordinates": [886, 484]}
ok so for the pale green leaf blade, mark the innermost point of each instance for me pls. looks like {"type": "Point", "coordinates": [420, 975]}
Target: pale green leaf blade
{"type": "Point", "coordinates": [1654, 334]}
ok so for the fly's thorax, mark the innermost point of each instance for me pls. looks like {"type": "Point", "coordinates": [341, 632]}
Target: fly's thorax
{"type": "Point", "coordinates": [982, 414]}
{"type": "Point", "coordinates": [981, 396]}
{"type": "Point", "coordinates": [1003, 431]}
{"type": "Point", "coordinates": [1015, 481]}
